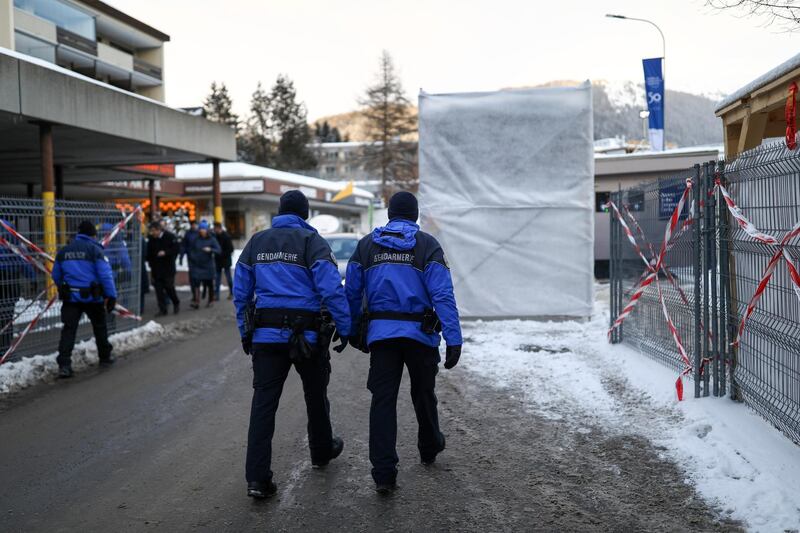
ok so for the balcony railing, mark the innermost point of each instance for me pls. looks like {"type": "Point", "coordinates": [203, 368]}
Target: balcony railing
{"type": "Point", "coordinates": [143, 67]}
{"type": "Point", "coordinates": [75, 41]}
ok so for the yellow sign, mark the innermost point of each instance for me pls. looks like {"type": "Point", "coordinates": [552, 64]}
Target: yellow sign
{"type": "Point", "coordinates": [344, 193]}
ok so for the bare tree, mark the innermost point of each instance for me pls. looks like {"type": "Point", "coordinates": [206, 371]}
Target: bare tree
{"type": "Point", "coordinates": [389, 120]}
{"type": "Point", "coordinates": [784, 13]}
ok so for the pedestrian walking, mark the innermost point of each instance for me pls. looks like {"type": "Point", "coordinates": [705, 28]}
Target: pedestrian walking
{"type": "Point", "coordinates": [186, 245]}
{"type": "Point", "coordinates": [409, 300]}
{"type": "Point", "coordinates": [223, 260]}
{"type": "Point", "coordinates": [201, 258]}
{"type": "Point", "coordinates": [85, 285]}
{"type": "Point", "coordinates": [162, 249]}
{"type": "Point", "coordinates": [284, 276]}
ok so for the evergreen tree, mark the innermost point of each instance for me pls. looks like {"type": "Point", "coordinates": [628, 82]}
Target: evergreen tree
{"type": "Point", "coordinates": [335, 136]}
{"type": "Point", "coordinates": [218, 106]}
{"type": "Point", "coordinates": [388, 119]}
{"type": "Point", "coordinates": [259, 133]}
{"type": "Point", "coordinates": [290, 127]}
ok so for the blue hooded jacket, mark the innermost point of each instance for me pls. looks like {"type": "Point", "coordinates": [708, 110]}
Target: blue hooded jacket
{"type": "Point", "coordinates": [117, 250]}
{"type": "Point", "coordinates": [401, 269]}
{"type": "Point", "coordinates": [289, 266]}
{"type": "Point", "coordinates": [81, 263]}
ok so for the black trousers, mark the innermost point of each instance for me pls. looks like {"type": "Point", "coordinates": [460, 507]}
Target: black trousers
{"type": "Point", "coordinates": [71, 313]}
{"type": "Point", "coordinates": [386, 362]}
{"type": "Point", "coordinates": [165, 287]}
{"type": "Point", "coordinates": [271, 366]}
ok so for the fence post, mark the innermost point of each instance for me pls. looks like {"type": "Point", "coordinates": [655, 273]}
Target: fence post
{"type": "Point", "coordinates": [620, 267]}
{"type": "Point", "coordinates": [711, 242]}
{"type": "Point", "coordinates": [725, 291]}
{"type": "Point", "coordinates": [697, 274]}
{"type": "Point", "coordinates": [612, 282]}
{"type": "Point", "coordinates": [704, 367]}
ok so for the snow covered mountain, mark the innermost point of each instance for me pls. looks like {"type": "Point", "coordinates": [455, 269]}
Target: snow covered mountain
{"type": "Point", "coordinates": [690, 119]}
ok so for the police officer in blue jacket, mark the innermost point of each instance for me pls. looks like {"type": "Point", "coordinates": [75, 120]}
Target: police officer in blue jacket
{"type": "Point", "coordinates": [284, 277]}
{"type": "Point", "coordinates": [86, 285]}
{"type": "Point", "coordinates": [398, 283]}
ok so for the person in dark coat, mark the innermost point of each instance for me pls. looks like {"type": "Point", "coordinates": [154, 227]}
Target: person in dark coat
{"type": "Point", "coordinates": [144, 287]}
{"type": "Point", "coordinates": [224, 259]}
{"type": "Point", "coordinates": [201, 258]}
{"type": "Point", "coordinates": [186, 246]}
{"type": "Point", "coordinates": [162, 249]}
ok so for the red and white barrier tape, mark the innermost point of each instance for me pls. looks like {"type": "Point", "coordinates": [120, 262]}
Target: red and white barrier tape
{"type": "Point", "coordinates": [118, 227]}
{"type": "Point", "coordinates": [30, 304]}
{"type": "Point", "coordinates": [28, 258]}
{"type": "Point", "coordinates": [748, 227]}
{"type": "Point", "coordinates": [27, 329]}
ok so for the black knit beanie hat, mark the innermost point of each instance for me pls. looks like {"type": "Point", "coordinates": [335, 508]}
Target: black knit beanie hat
{"type": "Point", "coordinates": [294, 202]}
{"type": "Point", "coordinates": [87, 228]}
{"type": "Point", "coordinates": [403, 205]}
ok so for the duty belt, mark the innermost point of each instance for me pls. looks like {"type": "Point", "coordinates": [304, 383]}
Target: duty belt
{"type": "Point", "coordinates": [428, 319]}
{"type": "Point", "coordinates": [287, 319]}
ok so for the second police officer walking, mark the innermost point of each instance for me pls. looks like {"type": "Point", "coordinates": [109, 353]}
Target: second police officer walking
{"type": "Point", "coordinates": [284, 277]}
{"type": "Point", "coordinates": [399, 289]}
{"type": "Point", "coordinates": [85, 285]}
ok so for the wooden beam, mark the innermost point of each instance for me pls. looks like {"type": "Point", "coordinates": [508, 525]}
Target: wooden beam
{"type": "Point", "coordinates": [752, 131]}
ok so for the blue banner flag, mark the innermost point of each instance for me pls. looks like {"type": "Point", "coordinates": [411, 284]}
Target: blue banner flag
{"type": "Point", "coordinates": [654, 91]}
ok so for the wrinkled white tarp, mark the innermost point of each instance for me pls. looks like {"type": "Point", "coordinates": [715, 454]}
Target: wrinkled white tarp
{"type": "Point", "coordinates": [507, 187]}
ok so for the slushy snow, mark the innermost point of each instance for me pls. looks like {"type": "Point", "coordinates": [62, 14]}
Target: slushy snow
{"type": "Point", "coordinates": [40, 368]}
{"type": "Point", "coordinates": [567, 370]}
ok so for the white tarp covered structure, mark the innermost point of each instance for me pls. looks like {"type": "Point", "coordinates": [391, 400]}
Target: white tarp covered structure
{"type": "Point", "coordinates": [507, 187]}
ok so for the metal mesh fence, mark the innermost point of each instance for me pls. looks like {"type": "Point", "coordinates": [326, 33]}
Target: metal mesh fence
{"type": "Point", "coordinates": [24, 291]}
{"type": "Point", "coordinates": [766, 366]}
{"type": "Point", "coordinates": [646, 210]}
{"type": "Point", "coordinates": [711, 273]}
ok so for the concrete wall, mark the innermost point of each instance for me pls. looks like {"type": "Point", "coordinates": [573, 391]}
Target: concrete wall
{"type": "Point", "coordinates": [52, 95]}
{"type": "Point", "coordinates": [7, 24]}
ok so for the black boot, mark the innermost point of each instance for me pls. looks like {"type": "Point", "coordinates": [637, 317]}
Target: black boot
{"type": "Point", "coordinates": [106, 362]}
{"type": "Point", "coordinates": [64, 372]}
{"type": "Point", "coordinates": [259, 491]}
{"type": "Point", "coordinates": [428, 461]}
{"type": "Point", "coordinates": [385, 489]}
{"type": "Point", "coordinates": [337, 445]}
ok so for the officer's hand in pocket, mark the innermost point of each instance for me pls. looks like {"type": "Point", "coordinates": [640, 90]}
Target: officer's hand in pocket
{"type": "Point", "coordinates": [342, 346]}
{"type": "Point", "coordinates": [111, 303]}
{"type": "Point", "coordinates": [452, 355]}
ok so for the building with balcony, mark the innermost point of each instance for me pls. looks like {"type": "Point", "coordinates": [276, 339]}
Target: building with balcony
{"type": "Point", "coordinates": [89, 37]}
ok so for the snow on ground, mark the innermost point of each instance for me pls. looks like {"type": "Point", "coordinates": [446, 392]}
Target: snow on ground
{"type": "Point", "coordinates": [567, 370]}
{"type": "Point", "coordinates": [31, 370]}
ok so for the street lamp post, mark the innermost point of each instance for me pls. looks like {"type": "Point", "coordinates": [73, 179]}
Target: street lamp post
{"type": "Point", "coordinates": [663, 50]}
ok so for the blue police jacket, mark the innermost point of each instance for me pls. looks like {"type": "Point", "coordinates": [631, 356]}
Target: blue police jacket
{"type": "Point", "coordinates": [289, 266]}
{"type": "Point", "coordinates": [402, 269]}
{"type": "Point", "coordinates": [81, 263]}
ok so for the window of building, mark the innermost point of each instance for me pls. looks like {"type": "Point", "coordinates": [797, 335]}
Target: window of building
{"type": "Point", "coordinates": [330, 170]}
{"type": "Point", "coordinates": [26, 44]}
{"type": "Point", "coordinates": [62, 15]}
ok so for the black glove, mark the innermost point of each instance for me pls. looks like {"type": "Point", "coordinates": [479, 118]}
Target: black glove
{"type": "Point", "coordinates": [247, 344]}
{"type": "Point", "coordinates": [111, 303]}
{"type": "Point", "coordinates": [342, 346]}
{"type": "Point", "coordinates": [452, 355]}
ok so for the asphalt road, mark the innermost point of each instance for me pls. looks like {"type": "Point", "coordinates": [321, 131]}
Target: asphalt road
{"type": "Point", "coordinates": [158, 443]}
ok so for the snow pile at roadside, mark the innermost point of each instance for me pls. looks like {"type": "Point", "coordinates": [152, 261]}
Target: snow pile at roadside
{"type": "Point", "coordinates": [31, 370]}
{"type": "Point", "coordinates": [567, 370]}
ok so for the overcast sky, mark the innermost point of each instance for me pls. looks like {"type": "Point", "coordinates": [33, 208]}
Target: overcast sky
{"type": "Point", "coordinates": [330, 48]}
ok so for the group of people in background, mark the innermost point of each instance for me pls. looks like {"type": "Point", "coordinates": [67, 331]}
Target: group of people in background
{"type": "Point", "coordinates": [209, 255]}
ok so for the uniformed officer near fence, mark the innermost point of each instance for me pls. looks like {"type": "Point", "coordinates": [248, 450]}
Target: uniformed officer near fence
{"type": "Point", "coordinates": [409, 300]}
{"type": "Point", "coordinates": [85, 285]}
{"type": "Point", "coordinates": [285, 277]}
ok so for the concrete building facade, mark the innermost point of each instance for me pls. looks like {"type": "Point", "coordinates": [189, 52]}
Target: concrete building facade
{"type": "Point", "coordinates": [89, 37]}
